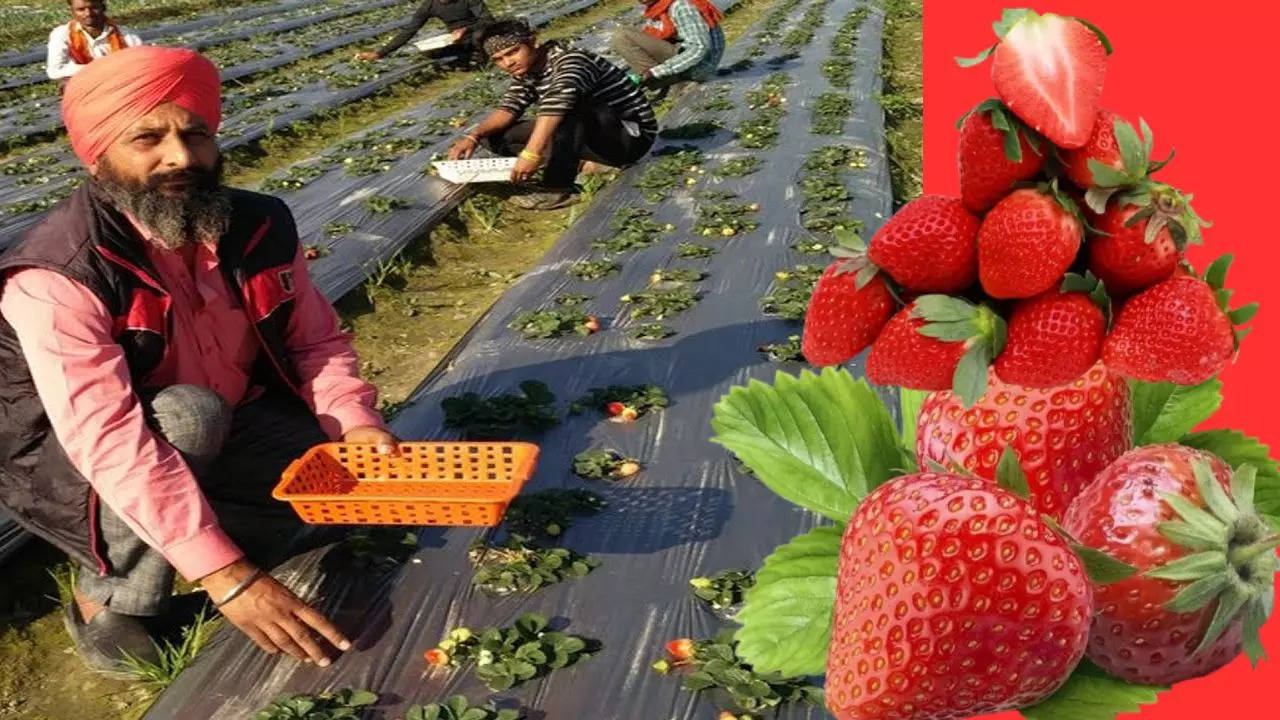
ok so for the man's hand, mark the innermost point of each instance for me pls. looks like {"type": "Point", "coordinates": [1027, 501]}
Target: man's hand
{"type": "Point", "coordinates": [368, 55]}
{"type": "Point", "coordinates": [462, 149]}
{"type": "Point", "coordinates": [368, 435]}
{"type": "Point", "coordinates": [524, 169]}
{"type": "Point", "coordinates": [272, 616]}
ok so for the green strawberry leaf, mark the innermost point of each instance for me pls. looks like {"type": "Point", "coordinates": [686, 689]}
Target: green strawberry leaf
{"type": "Point", "coordinates": [909, 402]}
{"type": "Point", "coordinates": [819, 441]}
{"type": "Point", "coordinates": [970, 380]}
{"type": "Point", "coordinates": [1238, 449]}
{"type": "Point", "coordinates": [970, 62]}
{"type": "Point", "coordinates": [786, 617]}
{"type": "Point", "coordinates": [1164, 412]}
{"type": "Point", "coordinates": [1091, 694]}
{"type": "Point", "coordinates": [1009, 474]}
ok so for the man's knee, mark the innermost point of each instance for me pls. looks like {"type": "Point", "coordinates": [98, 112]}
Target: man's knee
{"type": "Point", "coordinates": [623, 40]}
{"type": "Point", "coordinates": [193, 419]}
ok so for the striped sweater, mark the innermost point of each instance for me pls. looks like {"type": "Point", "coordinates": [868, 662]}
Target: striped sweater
{"type": "Point", "coordinates": [571, 77]}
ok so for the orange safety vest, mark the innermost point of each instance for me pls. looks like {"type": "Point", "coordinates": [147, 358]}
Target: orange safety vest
{"type": "Point", "coordinates": [79, 46]}
{"type": "Point", "coordinates": [660, 11]}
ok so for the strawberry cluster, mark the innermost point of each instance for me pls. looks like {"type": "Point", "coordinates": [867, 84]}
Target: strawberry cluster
{"type": "Point", "coordinates": [1058, 218]}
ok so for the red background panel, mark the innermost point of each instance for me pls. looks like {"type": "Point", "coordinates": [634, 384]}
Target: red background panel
{"type": "Point", "coordinates": [1204, 76]}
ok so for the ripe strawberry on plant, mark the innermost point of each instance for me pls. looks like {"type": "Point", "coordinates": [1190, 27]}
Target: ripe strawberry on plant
{"type": "Point", "coordinates": [614, 409]}
{"type": "Point", "coordinates": [1027, 242]}
{"type": "Point", "coordinates": [1141, 237]}
{"type": "Point", "coordinates": [1055, 337]}
{"type": "Point", "coordinates": [937, 342]}
{"type": "Point", "coordinates": [850, 304]}
{"type": "Point", "coordinates": [1206, 560]}
{"type": "Point", "coordinates": [680, 650]}
{"type": "Point", "coordinates": [954, 598]}
{"type": "Point", "coordinates": [1180, 330]}
{"type": "Point", "coordinates": [1113, 157]}
{"type": "Point", "coordinates": [1063, 436]}
{"type": "Point", "coordinates": [929, 245]}
{"type": "Point", "coordinates": [996, 151]}
{"type": "Point", "coordinates": [1048, 69]}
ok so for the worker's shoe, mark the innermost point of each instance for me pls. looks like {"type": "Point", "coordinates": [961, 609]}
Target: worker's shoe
{"type": "Point", "coordinates": [104, 642]}
{"type": "Point", "coordinates": [544, 200]}
{"type": "Point", "coordinates": [590, 167]}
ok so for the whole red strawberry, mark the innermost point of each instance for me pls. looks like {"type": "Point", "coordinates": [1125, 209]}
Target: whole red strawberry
{"type": "Point", "coordinates": [954, 598]}
{"type": "Point", "coordinates": [1054, 338]}
{"type": "Point", "coordinates": [1114, 156]}
{"type": "Point", "coordinates": [930, 245]}
{"type": "Point", "coordinates": [996, 151]}
{"type": "Point", "coordinates": [1063, 436]}
{"type": "Point", "coordinates": [1027, 242]}
{"type": "Point", "coordinates": [849, 306]}
{"type": "Point", "coordinates": [924, 346]}
{"type": "Point", "coordinates": [1178, 331]}
{"type": "Point", "coordinates": [1049, 70]}
{"type": "Point", "coordinates": [1141, 238]}
{"type": "Point", "coordinates": [1188, 525]}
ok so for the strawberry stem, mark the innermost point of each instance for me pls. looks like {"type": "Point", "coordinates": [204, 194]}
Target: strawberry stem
{"type": "Point", "coordinates": [1242, 556]}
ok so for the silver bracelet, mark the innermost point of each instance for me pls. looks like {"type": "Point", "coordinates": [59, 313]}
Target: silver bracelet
{"type": "Point", "coordinates": [240, 587]}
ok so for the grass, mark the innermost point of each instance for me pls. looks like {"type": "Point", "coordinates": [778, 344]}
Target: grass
{"type": "Point", "coordinates": [173, 658]}
{"type": "Point", "coordinates": [902, 97]}
{"type": "Point", "coordinates": [29, 23]}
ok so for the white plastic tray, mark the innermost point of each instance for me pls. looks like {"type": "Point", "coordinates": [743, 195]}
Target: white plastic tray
{"type": "Point", "coordinates": [435, 42]}
{"type": "Point", "coordinates": [475, 170]}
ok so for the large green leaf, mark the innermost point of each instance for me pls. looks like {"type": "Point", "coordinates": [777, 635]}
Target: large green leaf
{"type": "Point", "coordinates": [1091, 694]}
{"type": "Point", "coordinates": [819, 441]}
{"type": "Point", "coordinates": [1164, 412]}
{"type": "Point", "coordinates": [909, 402]}
{"type": "Point", "coordinates": [786, 617]}
{"type": "Point", "coordinates": [1236, 449]}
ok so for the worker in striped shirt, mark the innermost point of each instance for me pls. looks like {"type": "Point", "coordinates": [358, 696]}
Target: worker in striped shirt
{"type": "Point", "coordinates": [587, 110]}
{"type": "Point", "coordinates": [682, 42]}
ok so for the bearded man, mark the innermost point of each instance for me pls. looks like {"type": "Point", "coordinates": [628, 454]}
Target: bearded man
{"type": "Point", "coordinates": [163, 357]}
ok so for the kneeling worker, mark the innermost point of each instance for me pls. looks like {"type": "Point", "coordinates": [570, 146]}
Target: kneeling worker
{"type": "Point", "coordinates": [587, 110]}
{"type": "Point", "coordinates": [460, 18]}
{"type": "Point", "coordinates": [682, 41]}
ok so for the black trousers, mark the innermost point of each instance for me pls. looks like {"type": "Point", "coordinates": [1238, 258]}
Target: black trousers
{"type": "Point", "coordinates": [596, 134]}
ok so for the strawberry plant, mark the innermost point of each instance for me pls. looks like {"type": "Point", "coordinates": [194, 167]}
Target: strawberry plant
{"type": "Point", "coordinates": [504, 416]}
{"type": "Point", "coordinates": [382, 204]}
{"type": "Point", "coordinates": [458, 707]}
{"type": "Point", "coordinates": [807, 247]}
{"type": "Point", "coordinates": [641, 398]}
{"type": "Point", "coordinates": [661, 302]}
{"type": "Point", "coordinates": [377, 548]}
{"type": "Point", "coordinates": [740, 166]}
{"type": "Point", "coordinates": [760, 130]}
{"type": "Point", "coordinates": [670, 168]}
{"type": "Point", "coordinates": [690, 131]}
{"type": "Point", "coordinates": [599, 464]}
{"type": "Point", "coordinates": [631, 230]}
{"type": "Point", "coordinates": [544, 324]}
{"type": "Point", "coordinates": [792, 288]}
{"type": "Point", "coordinates": [693, 251]}
{"type": "Point", "coordinates": [725, 218]}
{"type": "Point", "coordinates": [716, 664]}
{"type": "Point", "coordinates": [802, 34]}
{"type": "Point", "coordinates": [676, 275]}
{"type": "Point", "coordinates": [507, 657]}
{"type": "Point", "coordinates": [516, 566]}
{"type": "Point", "coordinates": [550, 512]}
{"type": "Point", "coordinates": [723, 590]}
{"type": "Point", "coordinates": [783, 351]}
{"type": "Point", "coordinates": [719, 99]}
{"type": "Point", "coordinates": [594, 270]}
{"type": "Point", "coordinates": [337, 228]}
{"type": "Point", "coordinates": [652, 332]}
{"type": "Point", "coordinates": [830, 112]}
{"type": "Point", "coordinates": [346, 704]}
{"type": "Point", "coordinates": [571, 299]}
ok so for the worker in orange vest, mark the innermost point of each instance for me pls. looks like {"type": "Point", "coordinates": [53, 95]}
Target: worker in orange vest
{"type": "Point", "coordinates": [90, 34]}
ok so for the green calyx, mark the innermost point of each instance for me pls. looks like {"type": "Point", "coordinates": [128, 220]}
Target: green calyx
{"type": "Point", "coordinates": [1216, 276]}
{"type": "Point", "coordinates": [980, 328]}
{"type": "Point", "coordinates": [1163, 207]}
{"type": "Point", "coordinates": [1233, 559]}
{"type": "Point", "coordinates": [1012, 16]}
{"type": "Point", "coordinates": [851, 252]}
{"type": "Point", "coordinates": [1009, 126]}
{"type": "Point", "coordinates": [1092, 286]}
{"type": "Point", "coordinates": [1135, 155]}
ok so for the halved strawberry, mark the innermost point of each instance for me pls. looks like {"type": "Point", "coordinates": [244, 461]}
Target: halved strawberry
{"type": "Point", "coordinates": [929, 245]}
{"type": "Point", "coordinates": [996, 151]}
{"type": "Point", "coordinates": [1049, 70]}
{"type": "Point", "coordinates": [1141, 237]}
{"type": "Point", "coordinates": [850, 304]}
{"type": "Point", "coordinates": [1180, 330]}
{"type": "Point", "coordinates": [1056, 337]}
{"type": "Point", "coordinates": [938, 343]}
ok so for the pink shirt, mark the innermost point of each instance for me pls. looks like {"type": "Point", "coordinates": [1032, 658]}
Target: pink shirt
{"type": "Point", "coordinates": [83, 381]}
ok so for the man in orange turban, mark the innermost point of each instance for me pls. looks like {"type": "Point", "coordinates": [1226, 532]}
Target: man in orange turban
{"type": "Point", "coordinates": [163, 357]}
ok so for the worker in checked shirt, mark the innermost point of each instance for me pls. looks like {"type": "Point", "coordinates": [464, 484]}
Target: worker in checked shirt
{"type": "Point", "coordinates": [89, 35]}
{"type": "Point", "coordinates": [681, 42]}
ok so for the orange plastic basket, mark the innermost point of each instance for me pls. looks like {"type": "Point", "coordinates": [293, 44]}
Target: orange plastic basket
{"type": "Point", "coordinates": [428, 483]}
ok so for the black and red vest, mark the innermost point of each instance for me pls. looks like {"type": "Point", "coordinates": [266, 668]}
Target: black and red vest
{"type": "Point", "coordinates": [87, 241]}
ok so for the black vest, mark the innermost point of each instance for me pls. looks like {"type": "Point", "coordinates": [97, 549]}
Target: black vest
{"type": "Point", "coordinates": [89, 242]}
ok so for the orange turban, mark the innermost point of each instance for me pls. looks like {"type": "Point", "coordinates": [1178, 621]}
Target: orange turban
{"type": "Point", "coordinates": [112, 93]}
